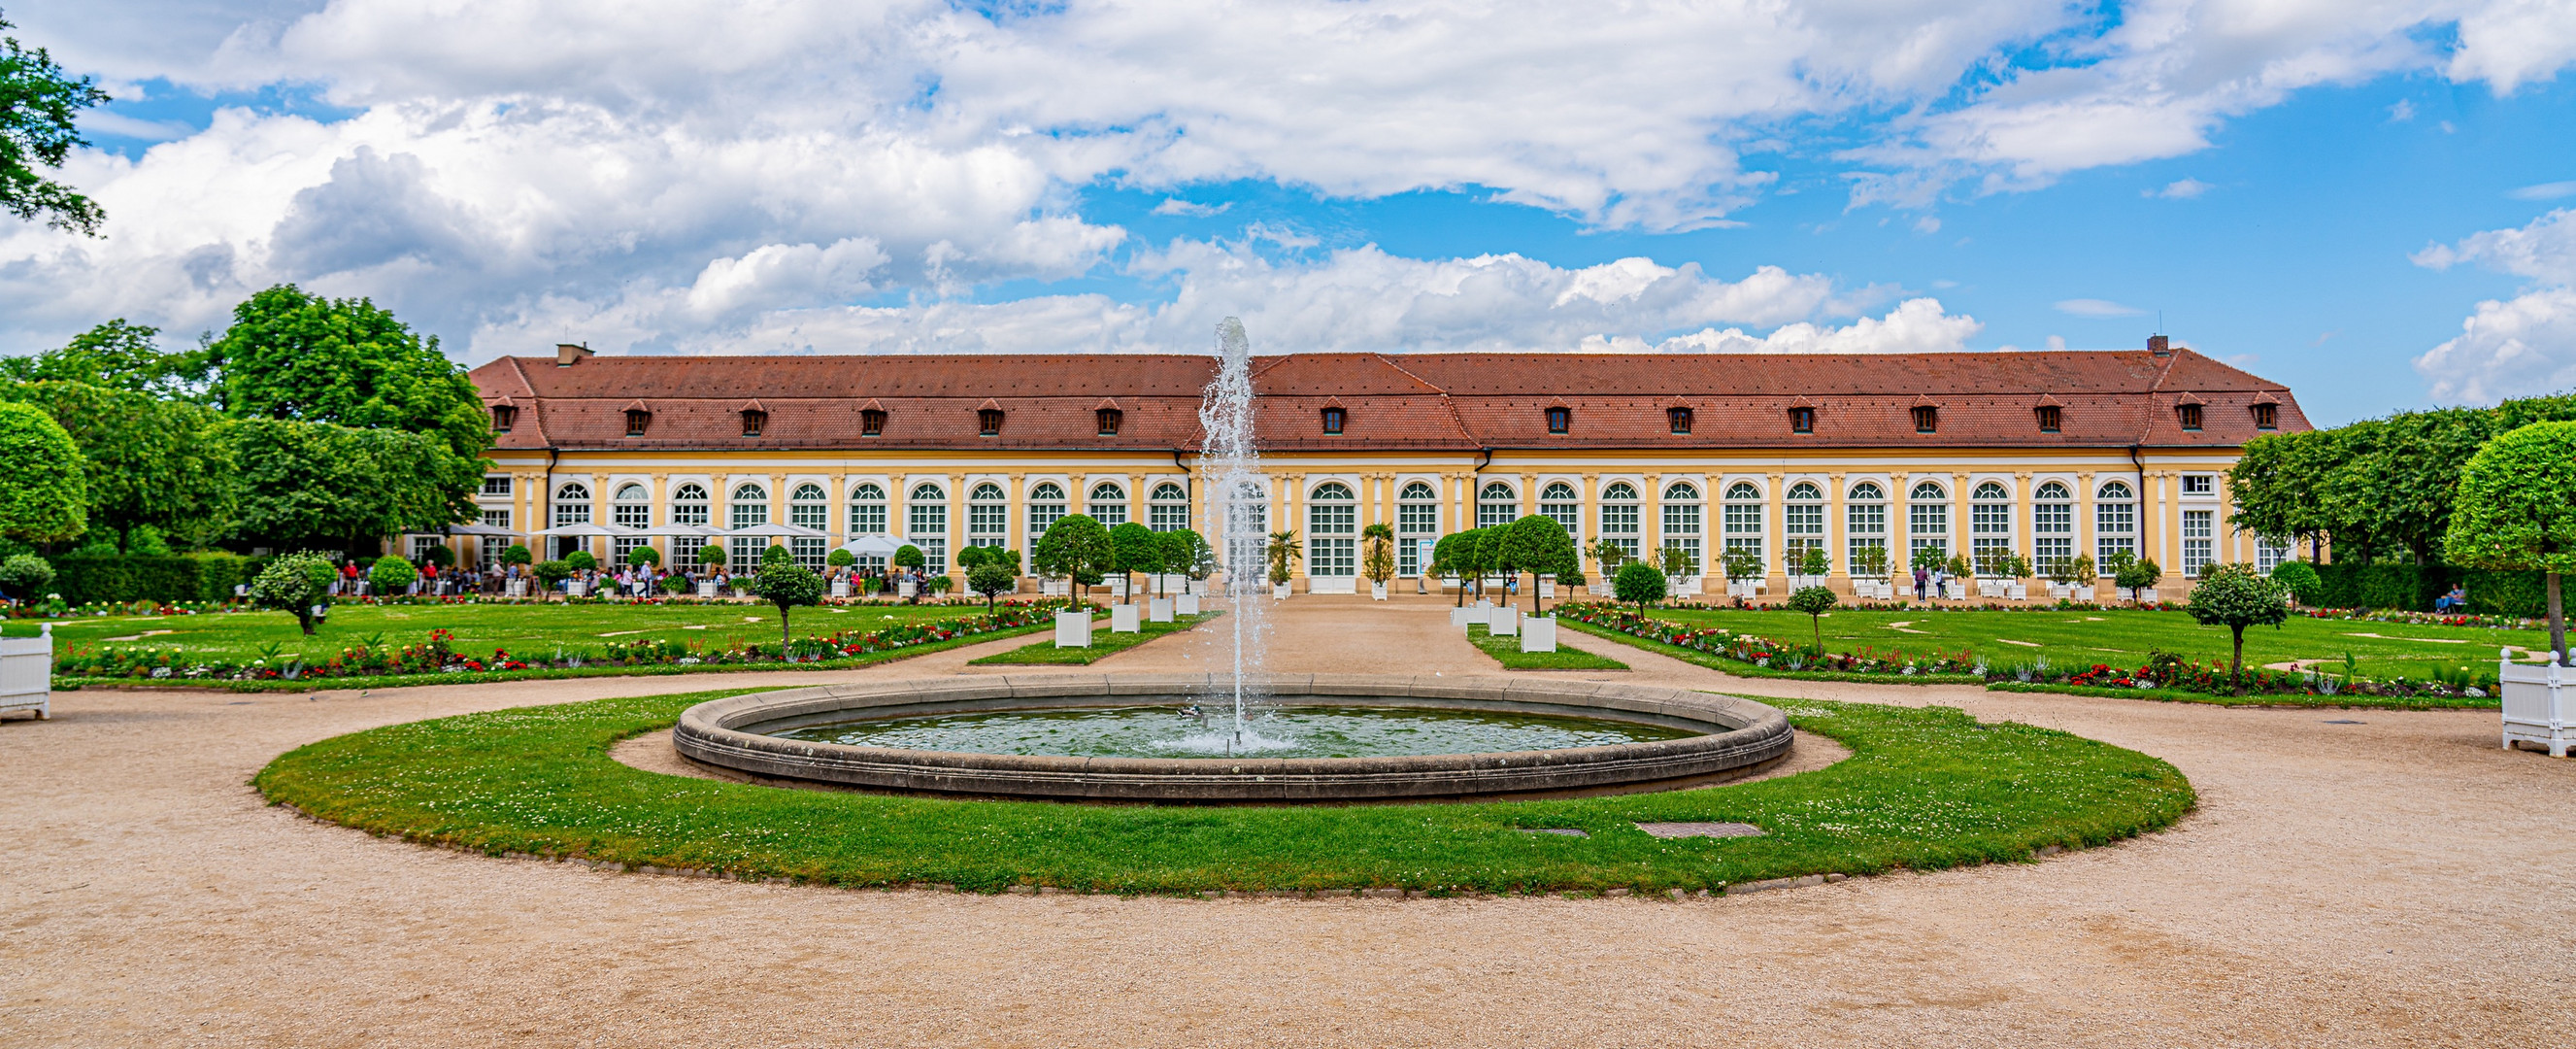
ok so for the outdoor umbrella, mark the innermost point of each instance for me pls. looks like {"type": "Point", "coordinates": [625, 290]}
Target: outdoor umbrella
{"type": "Point", "coordinates": [873, 546]}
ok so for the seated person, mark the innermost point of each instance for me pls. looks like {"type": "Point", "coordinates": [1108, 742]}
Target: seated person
{"type": "Point", "coordinates": [2454, 601]}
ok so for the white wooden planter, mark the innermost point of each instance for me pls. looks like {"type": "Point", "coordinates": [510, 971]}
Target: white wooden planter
{"type": "Point", "coordinates": [575, 588]}
{"type": "Point", "coordinates": [1377, 591]}
{"type": "Point", "coordinates": [1073, 629]}
{"type": "Point", "coordinates": [1684, 585]}
{"type": "Point", "coordinates": [1332, 584]}
{"type": "Point", "coordinates": [1480, 612]}
{"type": "Point", "coordinates": [1186, 604]}
{"type": "Point", "coordinates": [840, 588]}
{"type": "Point", "coordinates": [1547, 589]}
{"type": "Point", "coordinates": [1458, 617]}
{"type": "Point", "coordinates": [1504, 622]}
{"type": "Point", "coordinates": [1123, 619]}
{"type": "Point", "coordinates": [516, 588]}
{"type": "Point", "coordinates": [1159, 610]}
{"type": "Point", "coordinates": [2539, 704]}
{"type": "Point", "coordinates": [2146, 595]}
{"type": "Point", "coordinates": [2017, 592]}
{"type": "Point", "coordinates": [27, 673]}
{"type": "Point", "coordinates": [1538, 634]}
{"type": "Point", "coordinates": [1279, 591]}
{"type": "Point", "coordinates": [1599, 588]}
{"type": "Point", "coordinates": [706, 588]}
{"type": "Point", "coordinates": [1990, 588]}
{"type": "Point", "coordinates": [909, 588]}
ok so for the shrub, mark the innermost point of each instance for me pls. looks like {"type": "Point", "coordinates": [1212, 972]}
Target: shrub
{"type": "Point", "coordinates": [909, 556]}
{"type": "Point", "coordinates": [551, 574]}
{"type": "Point", "coordinates": [644, 557]}
{"type": "Point", "coordinates": [711, 557]}
{"type": "Point", "coordinates": [580, 561]}
{"type": "Point", "coordinates": [2137, 574]}
{"type": "Point", "coordinates": [2301, 579]}
{"type": "Point", "coordinates": [1638, 583]}
{"type": "Point", "coordinates": [25, 576]}
{"type": "Point", "coordinates": [46, 498]}
{"type": "Point", "coordinates": [991, 580]}
{"type": "Point", "coordinates": [839, 558]}
{"type": "Point", "coordinates": [440, 556]}
{"type": "Point", "coordinates": [298, 583]}
{"type": "Point", "coordinates": [143, 540]}
{"type": "Point", "coordinates": [392, 575]}
{"type": "Point", "coordinates": [516, 554]}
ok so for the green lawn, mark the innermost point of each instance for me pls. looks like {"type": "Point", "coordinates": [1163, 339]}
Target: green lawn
{"type": "Point", "coordinates": [1507, 650]}
{"type": "Point", "coordinates": [1103, 643]}
{"type": "Point", "coordinates": [1926, 788]}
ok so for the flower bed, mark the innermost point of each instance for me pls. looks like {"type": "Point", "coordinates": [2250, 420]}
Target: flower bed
{"type": "Point", "coordinates": [2390, 615]}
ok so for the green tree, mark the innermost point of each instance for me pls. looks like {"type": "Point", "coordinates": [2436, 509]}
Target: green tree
{"type": "Point", "coordinates": [786, 584]}
{"type": "Point", "coordinates": [550, 576]}
{"type": "Point", "coordinates": [151, 461]}
{"type": "Point", "coordinates": [1132, 549]}
{"type": "Point", "coordinates": [640, 557]}
{"type": "Point", "coordinates": [2302, 581]}
{"type": "Point", "coordinates": [2137, 573]}
{"type": "Point", "coordinates": [992, 579]}
{"type": "Point", "coordinates": [1283, 552]}
{"type": "Point", "coordinates": [2274, 485]}
{"type": "Point", "coordinates": [909, 556]}
{"type": "Point", "coordinates": [776, 555]}
{"type": "Point", "coordinates": [298, 583]}
{"type": "Point", "coordinates": [290, 355]}
{"type": "Point", "coordinates": [1377, 553]}
{"type": "Point", "coordinates": [581, 561]}
{"type": "Point", "coordinates": [392, 575]}
{"type": "Point", "coordinates": [441, 557]}
{"type": "Point", "coordinates": [39, 114]}
{"type": "Point", "coordinates": [515, 554]}
{"type": "Point", "coordinates": [1188, 553]}
{"type": "Point", "coordinates": [1075, 547]}
{"type": "Point", "coordinates": [2234, 597]}
{"type": "Point", "coordinates": [712, 557]}
{"type": "Point", "coordinates": [1639, 584]}
{"type": "Point", "coordinates": [46, 496]}
{"type": "Point", "coordinates": [971, 558]}
{"type": "Point", "coordinates": [1538, 544]}
{"type": "Point", "coordinates": [840, 558]}
{"type": "Point", "coordinates": [1815, 601]}
{"type": "Point", "coordinates": [2516, 509]}
{"type": "Point", "coordinates": [316, 484]}
{"type": "Point", "coordinates": [24, 576]}
{"type": "Point", "coordinates": [113, 356]}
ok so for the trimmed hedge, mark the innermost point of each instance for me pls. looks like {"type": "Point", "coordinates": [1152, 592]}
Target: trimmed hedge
{"type": "Point", "coordinates": [2413, 588]}
{"type": "Point", "coordinates": [84, 578]}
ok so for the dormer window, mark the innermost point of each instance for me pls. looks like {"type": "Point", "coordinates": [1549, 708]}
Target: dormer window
{"type": "Point", "coordinates": [2189, 415]}
{"type": "Point", "coordinates": [502, 416]}
{"type": "Point", "coordinates": [1109, 420]}
{"type": "Point", "coordinates": [872, 422]}
{"type": "Point", "coordinates": [636, 420]}
{"type": "Point", "coordinates": [1927, 419]}
{"type": "Point", "coordinates": [1333, 420]}
{"type": "Point", "coordinates": [988, 422]}
{"type": "Point", "coordinates": [1802, 420]}
{"type": "Point", "coordinates": [1560, 420]}
{"type": "Point", "coordinates": [753, 421]}
{"type": "Point", "coordinates": [1679, 419]}
{"type": "Point", "coordinates": [2267, 417]}
{"type": "Point", "coordinates": [2051, 417]}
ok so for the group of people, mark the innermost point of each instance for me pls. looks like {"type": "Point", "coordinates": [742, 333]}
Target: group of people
{"type": "Point", "coordinates": [635, 581]}
{"type": "Point", "coordinates": [1929, 582]}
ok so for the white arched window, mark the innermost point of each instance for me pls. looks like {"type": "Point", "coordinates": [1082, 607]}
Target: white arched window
{"type": "Point", "coordinates": [1046, 507]}
{"type": "Point", "coordinates": [867, 509]}
{"type": "Point", "coordinates": [2052, 526]}
{"type": "Point", "coordinates": [1332, 532]}
{"type": "Point", "coordinates": [1682, 517]}
{"type": "Point", "coordinates": [1108, 504]}
{"type": "Point", "coordinates": [630, 507]}
{"type": "Point", "coordinates": [1865, 529]}
{"type": "Point", "coordinates": [988, 516]}
{"type": "Point", "coordinates": [1417, 518]}
{"type": "Point", "coordinates": [1990, 527]}
{"type": "Point", "coordinates": [808, 506]}
{"type": "Point", "coordinates": [1619, 519]}
{"type": "Point", "coordinates": [572, 504]}
{"type": "Point", "coordinates": [1243, 527]}
{"type": "Point", "coordinates": [925, 525]}
{"type": "Point", "coordinates": [1927, 525]}
{"type": "Point", "coordinates": [1745, 519]}
{"type": "Point", "coordinates": [2115, 523]}
{"type": "Point", "coordinates": [689, 506]}
{"type": "Point", "coordinates": [749, 506]}
{"type": "Point", "coordinates": [1558, 500]}
{"type": "Point", "coordinates": [1802, 523]}
{"type": "Point", "coordinates": [1168, 507]}
{"type": "Point", "coordinates": [1496, 505]}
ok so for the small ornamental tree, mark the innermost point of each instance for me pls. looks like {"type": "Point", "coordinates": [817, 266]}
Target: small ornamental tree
{"type": "Point", "coordinates": [992, 579]}
{"type": "Point", "coordinates": [2301, 579]}
{"type": "Point", "coordinates": [776, 555]}
{"type": "Point", "coordinates": [581, 561]}
{"type": "Point", "coordinates": [711, 558]}
{"type": "Point", "coordinates": [1815, 601]}
{"type": "Point", "coordinates": [2073, 571]}
{"type": "Point", "coordinates": [2234, 597]}
{"type": "Point", "coordinates": [839, 558]}
{"type": "Point", "coordinates": [909, 556]}
{"type": "Point", "coordinates": [439, 556]}
{"type": "Point", "coordinates": [1815, 562]}
{"type": "Point", "coordinates": [1870, 562]}
{"type": "Point", "coordinates": [1638, 583]}
{"type": "Point", "coordinates": [1283, 553]}
{"type": "Point", "coordinates": [392, 575]}
{"type": "Point", "coordinates": [2137, 575]}
{"type": "Point", "coordinates": [2515, 508]}
{"type": "Point", "coordinates": [23, 576]}
{"type": "Point", "coordinates": [1188, 553]}
{"type": "Point", "coordinates": [786, 584]}
{"type": "Point", "coordinates": [1444, 561]}
{"type": "Point", "coordinates": [1377, 553]}
{"type": "Point", "coordinates": [1608, 555]}
{"type": "Point", "coordinates": [516, 554]}
{"type": "Point", "coordinates": [46, 496]}
{"type": "Point", "coordinates": [551, 574]}
{"type": "Point", "coordinates": [1537, 544]}
{"type": "Point", "coordinates": [298, 583]}
{"type": "Point", "coordinates": [1133, 549]}
{"type": "Point", "coordinates": [1075, 547]}
{"type": "Point", "coordinates": [644, 557]}
{"type": "Point", "coordinates": [971, 558]}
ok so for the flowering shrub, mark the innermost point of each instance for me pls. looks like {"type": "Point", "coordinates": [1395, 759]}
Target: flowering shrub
{"type": "Point", "coordinates": [2390, 615]}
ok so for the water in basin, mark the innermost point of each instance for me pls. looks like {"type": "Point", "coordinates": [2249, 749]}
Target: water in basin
{"type": "Point", "coordinates": [1287, 732]}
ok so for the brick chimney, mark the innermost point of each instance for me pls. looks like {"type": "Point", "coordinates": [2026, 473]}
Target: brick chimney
{"type": "Point", "coordinates": [567, 353]}
{"type": "Point", "coordinates": [2156, 344]}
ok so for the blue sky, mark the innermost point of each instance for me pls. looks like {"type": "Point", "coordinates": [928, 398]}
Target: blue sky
{"type": "Point", "coordinates": [2357, 199]}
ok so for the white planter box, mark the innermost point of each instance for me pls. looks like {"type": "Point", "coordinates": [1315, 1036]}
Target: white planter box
{"type": "Point", "coordinates": [840, 588]}
{"type": "Point", "coordinates": [1689, 584]}
{"type": "Point", "coordinates": [1480, 612]}
{"type": "Point", "coordinates": [2017, 592]}
{"type": "Point", "coordinates": [27, 673]}
{"type": "Point", "coordinates": [706, 588]}
{"type": "Point", "coordinates": [2146, 595]}
{"type": "Point", "coordinates": [1990, 588]}
{"type": "Point", "coordinates": [1547, 590]}
{"type": "Point", "coordinates": [1055, 588]}
{"type": "Point", "coordinates": [1279, 591]}
{"type": "Point", "coordinates": [1122, 619]}
{"type": "Point", "coordinates": [1599, 588]}
{"type": "Point", "coordinates": [1073, 629]}
{"type": "Point", "coordinates": [516, 588]}
{"type": "Point", "coordinates": [1504, 622]}
{"type": "Point", "coordinates": [575, 589]}
{"type": "Point", "coordinates": [1186, 604]}
{"type": "Point", "coordinates": [2539, 705]}
{"type": "Point", "coordinates": [1458, 617]}
{"type": "Point", "coordinates": [1954, 590]}
{"type": "Point", "coordinates": [909, 588]}
{"type": "Point", "coordinates": [1159, 610]}
{"type": "Point", "coordinates": [1538, 634]}
{"type": "Point", "coordinates": [1332, 584]}
{"type": "Point", "coordinates": [1377, 591]}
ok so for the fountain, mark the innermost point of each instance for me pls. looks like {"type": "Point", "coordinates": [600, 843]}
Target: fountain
{"type": "Point", "coordinates": [1153, 737]}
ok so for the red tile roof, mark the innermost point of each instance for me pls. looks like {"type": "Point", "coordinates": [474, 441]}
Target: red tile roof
{"type": "Point", "coordinates": [1451, 401]}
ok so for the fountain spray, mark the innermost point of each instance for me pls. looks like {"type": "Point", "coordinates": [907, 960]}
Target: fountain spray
{"type": "Point", "coordinates": [1238, 504]}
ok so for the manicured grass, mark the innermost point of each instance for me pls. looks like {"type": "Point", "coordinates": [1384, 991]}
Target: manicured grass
{"type": "Point", "coordinates": [1507, 650]}
{"type": "Point", "coordinates": [1103, 643]}
{"type": "Point", "coordinates": [1742, 669]}
{"type": "Point", "coordinates": [1926, 788]}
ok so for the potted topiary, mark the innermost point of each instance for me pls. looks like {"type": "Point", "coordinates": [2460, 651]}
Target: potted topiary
{"type": "Point", "coordinates": [711, 560]}
{"type": "Point", "coordinates": [2068, 573]}
{"type": "Point", "coordinates": [1870, 567]}
{"type": "Point", "coordinates": [2016, 569]}
{"type": "Point", "coordinates": [2138, 576]}
{"type": "Point", "coordinates": [909, 558]}
{"type": "Point", "coordinates": [1961, 572]}
{"type": "Point", "coordinates": [840, 562]}
{"type": "Point", "coordinates": [551, 574]}
{"type": "Point", "coordinates": [1284, 552]}
{"type": "Point", "coordinates": [1377, 560]}
{"type": "Point", "coordinates": [579, 561]}
{"type": "Point", "coordinates": [515, 560]}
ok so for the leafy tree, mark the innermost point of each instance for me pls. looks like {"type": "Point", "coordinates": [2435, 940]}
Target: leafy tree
{"type": "Point", "coordinates": [441, 557]}
{"type": "Point", "coordinates": [290, 355]}
{"type": "Point", "coordinates": [515, 554]}
{"type": "Point", "coordinates": [1461, 554]}
{"type": "Point", "coordinates": [839, 558]}
{"type": "Point", "coordinates": [551, 575]}
{"type": "Point", "coordinates": [39, 127]}
{"type": "Point", "coordinates": [1537, 544]}
{"type": "Point", "coordinates": [316, 484]}
{"type": "Point", "coordinates": [113, 356]}
{"type": "Point", "coordinates": [992, 579]}
{"type": "Point", "coordinates": [2137, 574]}
{"type": "Point", "coordinates": [1639, 584]}
{"type": "Point", "coordinates": [45, 498]}
{"type": "Point", "coordinates": [1815, 601]}
{"type": "Point", "coordinates": [971, 558]}
{"type": "Point", "coordinates": [298, 583]}
{"type": "Point", "coordinates": [1815, 562]}
{"type": "Point", "coordinates": [640, 557]}
{"type": "Point", "coordinates": [392, 575]}
{"type": "Point", "coordinates": [1133, 549]}
{"type": "Point", "coordinates": [1075, 547]}
{"type": "Point", "coordinates": [1870, 562]}
{"type": "Point", "coordinates": [909, 556]}
{"type": "Point", "coordinates": [1283, 553]}
{"type": "Point", "coordinates": [151, 461]}
{"type": "Point", "coordinates": [712, 557]}
{"type": "Point", "coordinates": [786, 584]}
{"type": "Point", "coordinates": [1189, 553]}
{"type": "Point", "coordinates": [581, 561]}
{"type": "Point", "coordinates": [2302, 581]}
{"type": "Point", "coordinates": [23, 576]}
{"type": "Point", "coordinates": [2071, 571]}
{"type": "Point", "coordinates": [1377, 553]}
{"type": "Point", "coordinates": [776, 555]}
{"type": "Point", "coordinates": [2516, 509]}
{"type": "Point", "coordinates": [2234, 597]}
{"type": "Point", "coordinates": [143, 540]}
{"type": "Point", "coordinates": [2274, 485]}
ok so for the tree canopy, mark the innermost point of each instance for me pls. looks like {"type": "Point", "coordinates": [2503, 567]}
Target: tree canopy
{"type": "Point", "coordinates": [39, 113]}
{"type": "Point", "coordinates": [2234, 597]}
{"type": "Point", "coordinates": [292, 355]}
{"type": "Point", "coordinates": [315, 484]}
{"type": "Point", "coordinates": [298, 582]}
{"type": "Point", "coordinates": [151, 462]}
{"type": "Point", "coordinates": [1076, 547]}
{"type": "Point", "coordinates": [46, 498]}
{"type": "Point", "coordinates": [116, 355]}
{"type": "Point", "coordinates": [2516, 508]}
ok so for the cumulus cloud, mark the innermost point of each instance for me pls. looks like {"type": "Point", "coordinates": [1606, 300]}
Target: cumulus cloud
{"type": "Point", "coordinates": [2097, 308]}
{"type": "Point", "coordinates": [2515, 347]}
{"type": "Point", "coordinates": [2181, 189]}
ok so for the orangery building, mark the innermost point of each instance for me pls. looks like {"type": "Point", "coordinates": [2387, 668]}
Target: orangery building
{"type": "Point", "coordinates": [2044, 455]}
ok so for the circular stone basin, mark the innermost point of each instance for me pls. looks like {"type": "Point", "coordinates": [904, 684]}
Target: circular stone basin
{"type": "Point", "coordinates": [1293, 732]}
{"type": "Point", "coordinates": [1666, 737]}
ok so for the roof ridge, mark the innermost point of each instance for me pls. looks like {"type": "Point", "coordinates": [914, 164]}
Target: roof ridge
{"type": "Point", "coordinates": [1408, 373]}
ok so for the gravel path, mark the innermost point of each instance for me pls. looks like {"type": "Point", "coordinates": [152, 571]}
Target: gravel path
{"type": "Point", "coordinates": [2397, 882]}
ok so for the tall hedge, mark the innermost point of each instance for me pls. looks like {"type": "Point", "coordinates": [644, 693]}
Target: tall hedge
{"type": "Point", "coordinates": [192, 577]}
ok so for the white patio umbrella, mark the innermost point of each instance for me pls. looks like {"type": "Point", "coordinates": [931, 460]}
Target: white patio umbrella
{"type": "Point", "coordinates": [775, 531]}
{"type": "Point", "coordinates": [475, 529]}
{"type": "Point", "coordinates": [700, 531]}
{"type": "Point", "coordinates": [582, 531]}
{"type": "Point", "coordinates": [873, 546]}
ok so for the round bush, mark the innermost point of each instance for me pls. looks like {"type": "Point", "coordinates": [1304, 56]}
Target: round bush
{"type": "Point", "coordinates": [580, 561]}
{"type": "Point", "coordinates": [392, 575]}
{"type": "Point", "coordinates": [1638, 583]}
{"type": "Point", "coordinates": [2302, 579]}
{"type": "Point", "coordinates": [25, 576]}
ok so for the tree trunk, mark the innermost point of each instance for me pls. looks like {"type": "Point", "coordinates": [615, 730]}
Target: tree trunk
{"type": "Point", "coordinates": [2557, 623]}
{"type": "Point", "coordinates": [783, 635]}
{"type": "Point", "coordinates": [2236, 664]}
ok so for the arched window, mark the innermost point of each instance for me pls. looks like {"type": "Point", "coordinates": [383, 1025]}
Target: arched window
{"type": "Point", "coordinates": [633, 507]}
{"type": "Point", "coordinates": [1417, 517]}
{"type": "Point", "coordinates": [1682, 521]}
{"type": "Point", "coordinates": [1619, 519]}
{"type": "Point", "coordinates": [925, 525]}
{"type": "Point", "coordinates": [1332, 531]}
{"type": "Point", "coordinates": [1745, 519]}
{"type": "Point", "coordinates": [1927, 525]}
{"type": "Point", "coordinates": [988, 516]}
{"type": "Point", "coordinates": [1990, 527]}
{"type": "Point", "coordinates": [749, 506]}
{"type": "Point", "coordinates": [1168, 507]}
{"type": "Point", "coordinates": [1496, 505]}
{"type": "Point", "coordinates": [1558, 500]}
{"type": "Point", "coordinates": [1243, 530]}
{"type": "Point", "coordinates": [809, 507]}
{"type": "Point", "coordinates": [2115, 523]}
{"type": "Point", "coordinates": [1046, 507]}
{"type": "Point", "coordinates": [867, 509]}
{"type": "Point", "coordinates": [1108, 504]}
{"type": "Point", "coordinates": [1865, 530]}
{"type": "Point", "coordinates": [1802, 523]}
{"type": "Point", "coordinates": [2052, 526]}
{"type": "Point", "coordinates": [572, 504]}
{"type": "Point", "coordinates": [689, 504]}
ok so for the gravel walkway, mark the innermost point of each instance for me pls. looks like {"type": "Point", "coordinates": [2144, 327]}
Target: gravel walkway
{"type": "Point", "coordinates": [2397, 882]}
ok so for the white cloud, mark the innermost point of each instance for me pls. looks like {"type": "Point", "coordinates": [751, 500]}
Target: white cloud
{"type": "Point", "coordinates": [2516, 347]}
{"type": "Point", "coordinates": [2097, 308]}
{"type": "Point", "coordinates": [1915, 326]}
{"type": "Point", "coordinates": [2180, 189]}
{"type": "Point", "coordinates": [1190, 209]}
{"type": "Point", "coordinates": [2402, 112]}
{"type": "Point", "coordinates": [2545, 191]}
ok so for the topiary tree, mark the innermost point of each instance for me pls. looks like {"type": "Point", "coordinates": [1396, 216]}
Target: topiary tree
{"type": "Point", "coordinates": [2136, 575]}
{"type": "Point", "coordinates": [46, 497]}
{"type": "Point", "coordinates": [23, 575]}
{"type": "Point", "coordinates": [1638, 583]}
{"type": "Point", "coordinates": [1188, 553]}
{"type": "Point", "coordinates": [516, 554]}
{"type": "Point", "coordinates": [1075, 547]}
{"type": "Point", "coordinates": [1870, 562]}
{"type": "Point", "coordinates": [1815, 601]}
{"type": "Point", "coordinates": [711, 557]}
{"type": "Point", "coordinates": [392, 575]}
{"type": "Point", "coordinates": [644, 557]}
{"type": "Point", "coordinates": [298, 583]}
{"type": "Point", "coordinates": [1815, 562]}
{"type": "Point", "coordinates": [909, 556]}
{"type": "Point", "coordinates": [2515, 508]}
{"type": "Point", "coordinates": [2234, 597]}
{"type": "Point", "coordinates": [786, 584]}
{"type": "Point", "coordinates": [839, 558]}
{"type": "Point", "coordinates": [550, 575]}
{"type": "Point", "coordinates": [439, 556]}
{"type": "Point", "coordinates": [992, 580]}
{"type": "Point", "coordinates": [971, 557]}
{"type": "Point", "coordinates": [2070, 571]}
{"type": "Point", "coordinates": [581, 561]}
{"type": "Point", "coordinates": [2301, 579]}
{"type": "Point", "coordinates": [1537, 544]}
{"type": "Point", "coordinates": [1133, 549]}
{"type": "Point", "coordinates": [1377, 553]}
{"type": "Point", "coordinates": [776, 555]}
